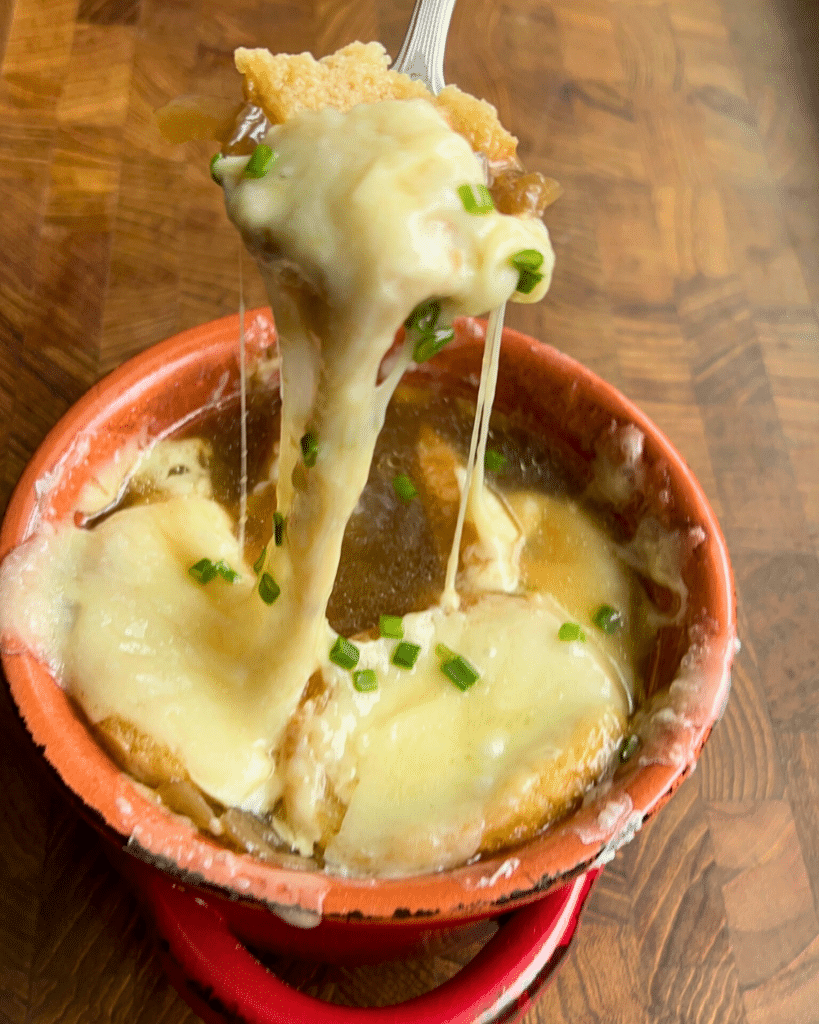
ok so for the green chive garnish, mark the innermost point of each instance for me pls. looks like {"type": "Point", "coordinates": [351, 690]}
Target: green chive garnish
{"type": "Point", "coordinates": [527, 259]}
{"type": "Point", "coordinates": [429, 339]}
{"type": "Point", "coordinates": [225, 571]}
{"type": "Point", "coordinates": [278, 529]}
{"type": "Point", "coordinates": [460, 672]}
{"type": "Point", "coordinates": [257, 565]}
{"type": "Point", "coordinates": [527, 281]}
{"type": "Point", "coordinates": [629, 747]}
{"type": "Point", "coordinates": [404, 487]}
{"type": "Point", "coordinates": [213, 163]}
{"type": "Point", "coordinates": [260, 162]}
{"type": "Point", "coordinates": [608, 619]}
{"type": "Point", "coordinates": [528, 262]}
{"type": "Point", "coordinates": [495, 461]}
{"type": "Point", "coordinates": [424, 317]}
{"type": "Point", "coordinates": [476, 198]}
{"type": "Point", "coordinates": [405, 654]}
{"type": "Point", "coordinates": [570, 631]}
{"type": "Point", "coordinates": [204, 571]}
{"type": "Point", "coordinates": [444, 652]}
{"type": "Point", "coordinates": [431, 343]}
{"type": "Point", "coordinates": [309, 450]}
{"type": "Point", "coordinates": [365, 681]}
{"type": "Point", "coordinates": [391, 627]}
{"type": "Point", "coordinates": [344, 654]}
{"type": "Point", "coordinates": [269, 589]}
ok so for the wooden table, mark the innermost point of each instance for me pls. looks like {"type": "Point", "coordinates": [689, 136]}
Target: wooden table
{"type": "Point", "coordinates": [686, 135]}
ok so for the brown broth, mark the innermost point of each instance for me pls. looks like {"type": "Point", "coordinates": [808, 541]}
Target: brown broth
{"type": "Point", "coordinates": [391, 560]}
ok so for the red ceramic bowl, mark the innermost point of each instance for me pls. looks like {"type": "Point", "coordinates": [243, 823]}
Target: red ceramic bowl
{"type": "Point", "coordinates": [318, 915]}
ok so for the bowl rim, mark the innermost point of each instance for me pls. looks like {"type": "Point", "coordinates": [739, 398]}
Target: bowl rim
{"type": "Point", "coordinates": [125, 810]}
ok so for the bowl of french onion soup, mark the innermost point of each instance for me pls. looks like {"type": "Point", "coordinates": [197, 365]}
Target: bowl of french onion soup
{"type": "Point", "coordinates": [469, 732]}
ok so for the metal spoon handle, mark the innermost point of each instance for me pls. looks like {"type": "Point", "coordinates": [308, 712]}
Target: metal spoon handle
{"type": "Point", "coordinates": [422, 53]}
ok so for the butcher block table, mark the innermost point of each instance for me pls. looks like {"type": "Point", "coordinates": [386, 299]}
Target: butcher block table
{"type": "Point", "coordinates": [686, 137]}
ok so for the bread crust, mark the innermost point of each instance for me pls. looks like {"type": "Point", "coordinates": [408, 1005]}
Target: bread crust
{"type": "Point", "coordinates": [285, 84]}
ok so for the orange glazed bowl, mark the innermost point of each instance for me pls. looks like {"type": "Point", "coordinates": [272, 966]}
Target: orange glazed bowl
{"type": "Point", "coordinates": [313, 913]}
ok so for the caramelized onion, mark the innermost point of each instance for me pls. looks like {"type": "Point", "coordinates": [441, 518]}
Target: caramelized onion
{"type": "Point", "coordinates": [251, 834]}
{"type": "Point", "coordinates": [240, 127]}
{"type": "Point", "coordinates": [185, 798]}
{"type": "Point", "coordinates": [249, 127]}
{"type": "Point", "coordinates": [148, 760]}
{"type": "Point", "coordinates": [523, 193]}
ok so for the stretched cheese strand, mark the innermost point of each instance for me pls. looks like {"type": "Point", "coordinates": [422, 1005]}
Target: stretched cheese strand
{"type": "Point", "coordinates": [473, 490]}
{"type": "Point", "coordinates": [243, 409]}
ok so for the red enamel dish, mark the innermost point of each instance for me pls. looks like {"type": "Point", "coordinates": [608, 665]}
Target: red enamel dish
{"type": "Point", "coordinates": [229, 895]}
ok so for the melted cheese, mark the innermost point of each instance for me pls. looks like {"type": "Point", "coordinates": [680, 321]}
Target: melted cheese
{"type": "Point", "coordinates": [131, 635]}
{"type": "Point", "coordinates": [422, 765]}
{"type": "Point", "coordinates": [473, 494]}
{"type": "Point", "coordinates": [424, 770]}
{"type": "Point", "coordinates": [344, 268]}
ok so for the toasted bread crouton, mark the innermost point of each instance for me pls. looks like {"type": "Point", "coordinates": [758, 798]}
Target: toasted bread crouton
{"type": "Point", "coordinates": [551, 785]}
{"type": "Point", "coordinates": [285, 84]}
{"type": "Point", "coordinates": [477, 121]}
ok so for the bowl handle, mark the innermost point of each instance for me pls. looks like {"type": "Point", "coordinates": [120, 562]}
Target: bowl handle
{"type": "Point", "coordinates": [221, 980]}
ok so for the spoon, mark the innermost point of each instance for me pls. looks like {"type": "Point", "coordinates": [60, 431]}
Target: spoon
{"type": "Point", "coordinates": [422, 53]}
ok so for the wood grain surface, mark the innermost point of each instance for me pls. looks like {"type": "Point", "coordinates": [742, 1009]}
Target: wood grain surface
{"type": "Point", "coordinates": [686, 136]}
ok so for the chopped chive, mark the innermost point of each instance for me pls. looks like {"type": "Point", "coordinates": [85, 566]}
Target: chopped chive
{"type": "Point", "coordinates": [278, 529]}
{"type": "Point", "coordinates": [528, 263]}
{"type": "Point", "coordinates": [225, 571]}
{"type": "Point", "coordinates": [214, 160]}
{"type": "Point", "coordinates": [404, 487]}
{"type": "Point", "coordinates": [460, 672]}
{"type": "Point", "coordinates": [405, 654]}
{"type": "Point", "coordinates": [269, 589]}
{"type": "Point", "coordinates": [443, 652]}
{"type": "Point", "coordinates": [365, 681]}
{"type": "Point", "coordinates": [259, 563]}
{"type": "Point", "coordinates": [570, 631]}
{"type": "Point", "coordinates": [309, 450]}
{"type": "Point", "coordinates": [608, 619]}
{"type": "Point", "coordinates": [527, 281]}
{"type": "Point", "coordinates": [424, 317]}
{"type": "Point", "coordinates": [344, 654]}
{"type": "Point", "coordinates": [204, 571]}
{"type": "Point", "coordinates": [391, 627]}
{"type": "Point", "coordinates": [629, 747]}
{"type": "Point", "coordinates": [476, 198]}
{"type": "Point", "coordinates": [260, 162]}
{"type": "Point", "coordinates": [431, 343]}
{"type": "Point", "coordinates": [527, 259]}
{"type": "Point", "coordinates": [495, 461]}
